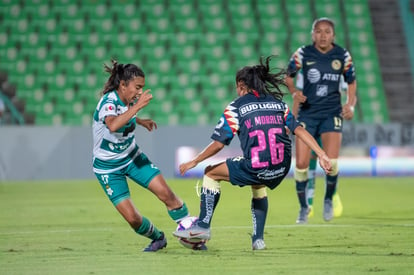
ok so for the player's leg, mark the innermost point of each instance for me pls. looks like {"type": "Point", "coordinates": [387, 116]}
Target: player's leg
{"type": "Point", "coordinates": [143, 172]}
{"type": "Point", "coordinates": [310, 187]}
{"type": "Point", "coordinates": [116, 188]}
{"type": "Point", "coordinates": [177, 209]}
{"type": "Point", "coordinates": [301, 178]}
{"type": "Point", "coordinates": [331, 143]}
{"type": "Point", "coordinates": [209, 198]}
{"type": "Point", "coordinates": [259, 208]}
{"type": "Point", "coordinates": [142, 226]}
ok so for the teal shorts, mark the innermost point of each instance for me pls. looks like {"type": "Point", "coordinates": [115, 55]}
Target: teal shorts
{"type": "Point", "coordinates": [115, 185]}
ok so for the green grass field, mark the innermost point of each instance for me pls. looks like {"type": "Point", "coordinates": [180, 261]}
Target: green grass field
{"type": "Point", "coordinates": [70, 227]}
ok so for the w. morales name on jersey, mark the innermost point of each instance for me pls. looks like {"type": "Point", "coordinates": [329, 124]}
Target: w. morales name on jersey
{"type": "Point", "coordinates": [266, 106]}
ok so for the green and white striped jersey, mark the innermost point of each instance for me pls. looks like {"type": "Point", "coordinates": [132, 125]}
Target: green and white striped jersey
{"type": "Point", "coordinates": [112, 150]}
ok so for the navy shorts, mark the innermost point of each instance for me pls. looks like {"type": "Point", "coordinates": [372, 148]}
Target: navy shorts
{"type": "Point", "coordinates": [316, 127]}
{"type": "Point", "coordinates": [240, 174]}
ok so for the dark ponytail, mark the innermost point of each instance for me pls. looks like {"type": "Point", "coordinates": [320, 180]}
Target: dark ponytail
{"type": "Point", "coordinates": [120, 72]}
{"type": "Point", "coordinates": [261, 79]}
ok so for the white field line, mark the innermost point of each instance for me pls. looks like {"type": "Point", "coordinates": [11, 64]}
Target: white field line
{"type": "Point", "coordinates": [104, 229]}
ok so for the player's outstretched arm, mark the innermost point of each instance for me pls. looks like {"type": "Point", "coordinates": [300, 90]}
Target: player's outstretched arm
{"type": "Point", "coordinates": [211, 149]}
{"type": "Point", "coordinates": [147, 123]}
{"type": "Point", "coordinates": [324, 161]}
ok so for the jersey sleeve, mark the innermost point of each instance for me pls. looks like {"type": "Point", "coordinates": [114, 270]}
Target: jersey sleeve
{"type": "Point", "coordinates": [295, 62]}
{"type": "Point", "coordinates": [107, 108]}
{"type": "Point", "coordinates": [349, 69]}
{"type": "Point", "coordinates": [290, 119]}
{"type": "Point", "coordinates": [228, 125]}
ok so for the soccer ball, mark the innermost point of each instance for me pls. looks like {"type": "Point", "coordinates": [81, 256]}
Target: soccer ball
{"type": "Point", "coordinates": [193, 243]}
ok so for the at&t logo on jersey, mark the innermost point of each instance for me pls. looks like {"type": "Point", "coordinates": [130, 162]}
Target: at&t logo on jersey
{"type": "Point", "coordinates": [314, 75]}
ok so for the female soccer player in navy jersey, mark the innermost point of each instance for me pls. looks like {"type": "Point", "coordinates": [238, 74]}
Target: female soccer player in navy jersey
{"type": "Point", "coordinates": [116, 156]}
{"type": "Point", "coordinates": [321, 112]}
{"type": "Point", "coordinates": [262, 121]}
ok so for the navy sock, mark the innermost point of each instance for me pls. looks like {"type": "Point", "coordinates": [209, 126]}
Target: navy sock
{"type": "Point", "coordinates": [331, 182]}
{"type": "Point", "coordinates": [208, 202]}
{"type": "Point", "coordinates": [259, 214]}
{"type": "Point", "coordinates": [301, 191]}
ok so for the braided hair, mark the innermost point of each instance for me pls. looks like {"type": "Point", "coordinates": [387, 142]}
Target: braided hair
{"type": "Point", "coordinates": [118, 72]}
{"type": "Point", "coordinates": [261, 79]}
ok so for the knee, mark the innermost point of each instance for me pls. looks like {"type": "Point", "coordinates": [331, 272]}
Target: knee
{"type": "Point", "coordinates": [211, 184]}
{"type": "Point", "coordinates": [259, 193]}
{"type": "Point", "coordinates": [301, 174]}
{"type": "Point", "coordinates": [335, 168]}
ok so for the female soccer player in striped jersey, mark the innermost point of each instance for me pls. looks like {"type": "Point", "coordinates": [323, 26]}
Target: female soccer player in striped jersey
{"type": "Point", "coordinates": [116, 155]}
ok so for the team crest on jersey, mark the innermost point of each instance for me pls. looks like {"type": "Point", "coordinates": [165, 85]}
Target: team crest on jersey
{"type": "Point", "coordinates": [336, 64]}
{"type": "Point", "coordinates": [322, 90]}
{"type": "Point", "coordinates": [111, 146]}
{"type": "Point", "coordinates": [109, 108]}
{"type": "Point", "coordinates": [109, 190]}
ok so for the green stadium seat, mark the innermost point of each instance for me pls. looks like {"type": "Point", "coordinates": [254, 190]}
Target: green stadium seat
{"type": "Point", "coordinates": [45, 119]}
{"type": "Point", "coordinates": [189, 50]}
{"type": "Point", "coordinates": [76, 120]}
{"type": "Point", "coordinates": [211, 9]}
{"type": "Point", "coordinates": [299, 15]}
{"type": "Point", "coordinates": [328, 8]}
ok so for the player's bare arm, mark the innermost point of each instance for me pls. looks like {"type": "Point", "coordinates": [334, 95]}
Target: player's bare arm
{"type": "Point", "coordinates": [324, 160]}
{"type": "Point", "coordinates": [213, 148]}
{"type": "Point", "coordinates": [296, 94]}
{"type": "Point", "coordinates": [116, 122]}
{"type": "Point", "coordinates": [349, 107]}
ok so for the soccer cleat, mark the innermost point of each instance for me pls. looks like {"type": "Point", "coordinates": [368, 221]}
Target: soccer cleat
{"type": "Point", "coordinates": [303, 215]}
{"type": "Point", "coordinates": [327, 210]}
{"type": "Point", "coordinates": [157, 244]}
{"type": "Point", "coordinates": [203, 246]}
{"type": "Point", "coordinates": [258, 244]}
{"type": "Point", "coordinates": [337, 205]}
{"type": "Point", "coordinates": [194, 232]}
{"type": "Point", "coordinates": [310, 213]}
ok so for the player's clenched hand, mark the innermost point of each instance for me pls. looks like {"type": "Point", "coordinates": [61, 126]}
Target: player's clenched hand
{"type": "Point", "coordinates": [347, 112]}
{"type": "Point", "coordinates": [147, 123]}
{"type": "Point", "coordinates": [187, 166]}
{"type": "Point", "coordinates": [299, 97]}
{"type": "Point", "coordinates": [143, 99]}
{"type": "Point", "coordinates": [325, 163]}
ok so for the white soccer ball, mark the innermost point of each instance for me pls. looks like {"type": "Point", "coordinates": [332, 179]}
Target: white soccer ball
{"type": "Point", "coordinates": [193, 243]}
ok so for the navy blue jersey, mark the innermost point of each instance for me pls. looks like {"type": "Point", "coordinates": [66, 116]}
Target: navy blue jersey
{"type": "Point", "coordinates": [321, 78]}
{"type": "Point", "coordinates": [260, 122]}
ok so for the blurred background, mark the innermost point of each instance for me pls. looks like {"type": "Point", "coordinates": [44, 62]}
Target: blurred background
{"type": "Point", "coordinates": [52, 54]}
